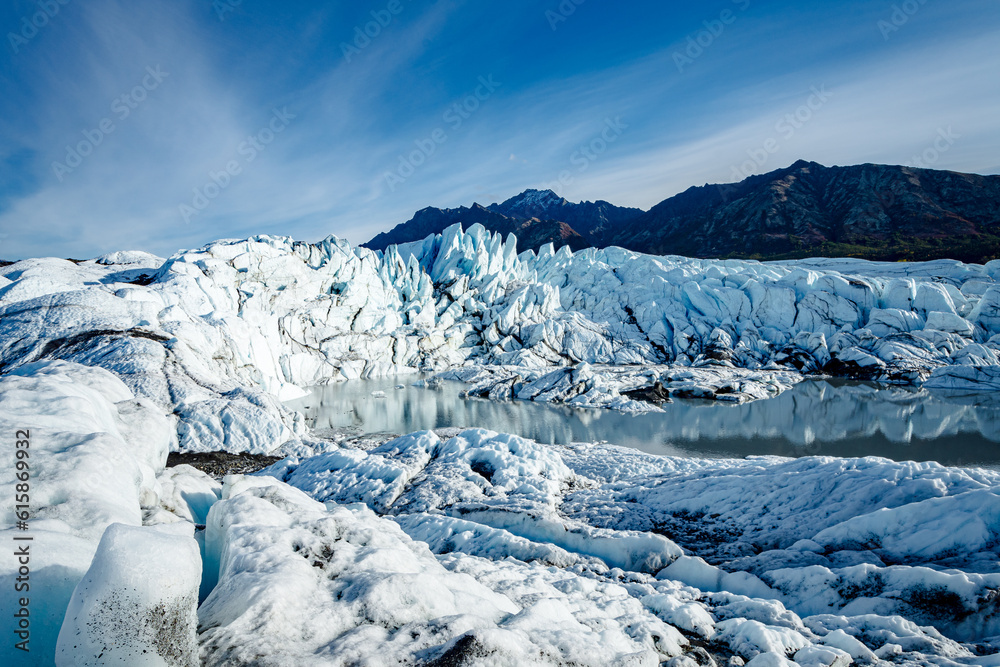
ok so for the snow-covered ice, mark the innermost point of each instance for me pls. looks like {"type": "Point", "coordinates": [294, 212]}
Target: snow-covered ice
{"type": "Point", "coordinates": [95, 451]}
{"type": "Point", "coordinates": [819, 535]}
{"type": "Point", "coordinates": [580, 554]}
{"type": "Point", "coordinates": [137, 604]}
{"type": "Point", "coordinates": [475, 547]}
{"type": "Point", "coordinates": [301, 583]}
{"type": "Point", "coordinates": [217, 336]}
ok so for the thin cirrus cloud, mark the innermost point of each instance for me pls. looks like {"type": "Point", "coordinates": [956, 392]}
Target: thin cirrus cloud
{"type": "Point", "coordinates": [872, 114]}
{"type": "Point", "coordinates": [345, 123]}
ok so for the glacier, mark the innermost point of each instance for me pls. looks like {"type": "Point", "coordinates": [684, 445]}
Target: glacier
{"type": "Point", "coordinates": [222, 334]}
{"type": "Point", "coordinates": [470, 546]}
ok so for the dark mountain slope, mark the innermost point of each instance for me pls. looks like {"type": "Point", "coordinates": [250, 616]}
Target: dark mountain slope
{"type": "Point", "coordinates": [865, 210]}
{"type": "Point", "coordinates": [872, 211]}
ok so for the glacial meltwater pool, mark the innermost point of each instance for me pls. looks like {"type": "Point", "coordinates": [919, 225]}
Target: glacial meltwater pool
{"type": "Point", "coordinates": [817, 417]}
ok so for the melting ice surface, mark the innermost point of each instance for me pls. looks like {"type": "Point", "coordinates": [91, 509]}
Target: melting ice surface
{"type": "Point", "coordinates": [817, 417]}
{"type": "Point", "coordinates": [440, 549]}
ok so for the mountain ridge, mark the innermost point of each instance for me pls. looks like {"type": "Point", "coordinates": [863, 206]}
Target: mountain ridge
{"type": "Point", "coordinates": [806, 209]}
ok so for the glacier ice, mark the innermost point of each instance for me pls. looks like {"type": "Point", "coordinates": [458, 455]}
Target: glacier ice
{"type": "Point", "coordinates": [479, 546]}
{"type": "Point", "coordinates": [217, 336]}
{"type": "Point", "coordinates": [137, 604]}
{"type": "Point", "coordinates": [491, 548]}
{"type": "Point", "coordinates": [94, 455]}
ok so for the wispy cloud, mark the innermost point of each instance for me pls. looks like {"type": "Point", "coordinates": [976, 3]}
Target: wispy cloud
{"type": "Point", "coordinates": [348, 122]}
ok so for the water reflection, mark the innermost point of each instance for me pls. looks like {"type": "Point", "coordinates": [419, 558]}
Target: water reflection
{"type": "Point", "coordinates": [835, 418]}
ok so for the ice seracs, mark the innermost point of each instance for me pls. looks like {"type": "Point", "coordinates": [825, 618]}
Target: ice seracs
{"type": "Point", "coordinates": [480, 546]}
{"type": "Point", "coordinates": [245, 322]}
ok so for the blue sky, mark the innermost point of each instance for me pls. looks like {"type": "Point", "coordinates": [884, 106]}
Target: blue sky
{"type": "Point", "coordinates": [165, 124]}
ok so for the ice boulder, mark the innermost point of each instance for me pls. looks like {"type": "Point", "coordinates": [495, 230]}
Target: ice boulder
{"type": "Point", "coordinates": [823, 656]}
{"type": "Point", "coordinates": [137, 604]}
{"type": "Point", "coordinates": [694, 571]}
{"type": "Point", "coordinates": [950, 323]}
{"type": "Point", "coordinates": [965, 378]}
{"type": "Point", "coordinates": [932, 528]}
{"type": "Point", "coordinates": [888, 321]}
{"type": "Point", "coordinates": [987, 313]}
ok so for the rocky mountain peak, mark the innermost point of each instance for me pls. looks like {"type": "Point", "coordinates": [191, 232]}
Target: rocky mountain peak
{"type": "Point", "coordinates": [806, 209]}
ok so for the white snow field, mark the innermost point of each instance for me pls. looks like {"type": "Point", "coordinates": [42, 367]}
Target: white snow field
{"type": "Point", "coordinates": [472, 547]}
